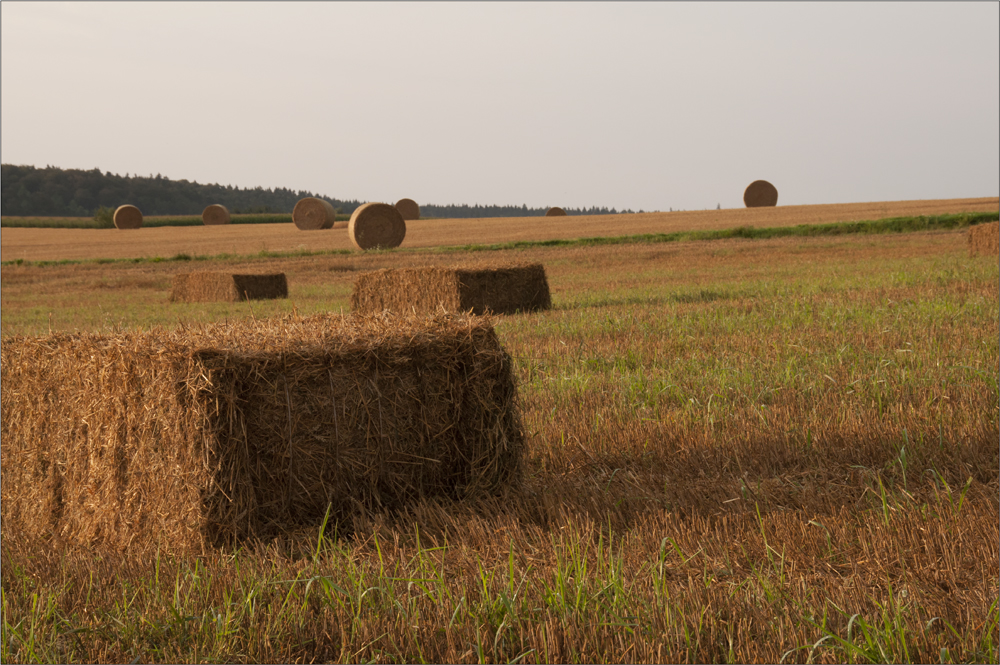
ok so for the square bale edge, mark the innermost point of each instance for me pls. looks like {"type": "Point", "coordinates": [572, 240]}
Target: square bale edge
{"type": "Point", "coordinates": [479, 289]}
{"type": "Point", "coordinates": [186, 440]}
{"type": "Point", "coordinates": [207, 286]}
{"type": "Point", "coordinates": [984, 239]}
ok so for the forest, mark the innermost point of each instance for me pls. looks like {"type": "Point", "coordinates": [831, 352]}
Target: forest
{"type": "Point", "coordinates": [55, 192]}
{"type": "Point", "coordinates": [52, 191]}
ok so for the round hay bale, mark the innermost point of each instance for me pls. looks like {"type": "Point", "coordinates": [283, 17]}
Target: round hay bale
{"type": "Point", "coordinates": [760, 194]}
{"type": "Point", "coordinates": [215, 214]}
{"type": "Point", "coordinates": [555, 211]}
{"type": "Point", "coordinates": [376, 225]}
{"type": "Point", "coordinates": [128, 217]}
{"type": "Point", "coordinates": [312, 214]}
{"type": "Point", "coordinates": [408, 208]}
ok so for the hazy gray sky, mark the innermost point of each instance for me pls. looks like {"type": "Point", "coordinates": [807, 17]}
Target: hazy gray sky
{"type": "Point", "coordinates": [628, 105]}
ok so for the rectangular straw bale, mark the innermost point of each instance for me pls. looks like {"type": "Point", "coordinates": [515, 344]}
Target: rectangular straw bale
{"type": "Point", "coordinates": [496, 288]}
{"type": "Point", "coordinates": [208, 286]}
{"type": "Point", "coordinates": [984, 239]}
{"type": "Point", "coordinates": [193, 438]}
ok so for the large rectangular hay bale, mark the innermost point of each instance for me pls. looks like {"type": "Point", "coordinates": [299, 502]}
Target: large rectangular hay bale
{"type": "Point", "coordinates": [496, 288]}
{"type": "Point", "coordinates": [207, 286]}
{"type": "Point", "coordinates": [205, 436]}
{"type": "Point", "coordinates": [984, 239]}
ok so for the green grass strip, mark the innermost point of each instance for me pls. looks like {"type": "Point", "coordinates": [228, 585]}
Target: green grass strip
{"type": "Point", "coordinates": [880, 226]}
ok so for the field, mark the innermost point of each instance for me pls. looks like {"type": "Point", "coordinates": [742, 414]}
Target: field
{"type": "Point", "coordinates": [48, 244]}
{"type": "Point", "coordinates": [738, 450]}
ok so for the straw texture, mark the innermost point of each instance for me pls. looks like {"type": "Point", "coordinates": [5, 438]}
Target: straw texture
{"type": "Point", "coordinates": [201, 437]}
{"type": "Point", "coordinates": [127, 217]}
{"type": "Point", "coordinates": [215, 214]}
{"type": "Point", "coordinates": [312, 214]}
{"type": "Point", "coordinates": [497, 288]}
{"type": "Point", "coordinates": [215, 286]}
{"type": "Point", "coordinates": [376, 226]}
{"type": "Point", "coordinates": [760, 194]}
{"type": "Point", "coordinates": [984, 239]}
{"type": "Point", "coordinates": [408, 208]}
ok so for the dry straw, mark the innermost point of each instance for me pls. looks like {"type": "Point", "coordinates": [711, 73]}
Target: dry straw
{"type": "Point", "coordinates": [984, 239]}
{"type": "Point", "coordinates": [215, 286]}
{"type": "Point", "coordinates": [212, 435]}
{"type": "Point", "coordinates": [408, 208]}
{"type": "Point", "coordinates": [497, 288]}
{"type": "Point", "coordinates": [376, 226]}
{"type": "Point", "coordinates": [215, 214]}
{"type": "Point", "coordinates": [555, 211]}
{"type": "Point", "coordinates": [128, 217]}
{"type": "Point", "coordinates": [312, 214]}
{"type": "Point", "coordinates": [760, 194]}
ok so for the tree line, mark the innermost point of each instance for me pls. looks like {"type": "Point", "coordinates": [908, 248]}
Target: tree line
{"type": "Point", "coordinates": [473, 211]}
{"type": "Point", "coordinates": [56, 192]}
{"type": "Point", "coordinates": [29, 191]}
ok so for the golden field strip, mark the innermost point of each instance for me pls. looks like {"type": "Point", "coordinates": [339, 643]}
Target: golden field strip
{"type": "Point", "coordinates": [737, 451]}
{"type": "Point", "coordinates": [33, 244]}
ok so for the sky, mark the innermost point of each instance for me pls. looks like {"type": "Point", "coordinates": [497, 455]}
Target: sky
{"type": "Point", "coordinates": [643, 105]}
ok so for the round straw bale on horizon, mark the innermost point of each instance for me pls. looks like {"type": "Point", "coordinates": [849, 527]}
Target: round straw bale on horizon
{"type": "Point", "coordinates": [312, 214]}
{"type": "Point", "coordinates": [376, 225]}
{"type": "Point", "coordinates": [760, 194]}
{"type": "Point", "coordinates": [408, 208]}
{"type": "Point", "coordinates": [555, 211]}
{"type": "Point", "coordinates": [127, 217]}
{"type": "Point", "coordinates": [215, 214]}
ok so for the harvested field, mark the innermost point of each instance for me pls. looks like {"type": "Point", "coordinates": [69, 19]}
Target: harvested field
{"type": "Point", "coordinates": [735, 450]}
{"type": "Point", "coordinates": [215, 214]}
{"type": "Point", "coordinates": [208, 435]}
{"type": "Point", "coordinates": [34, 244]}
{"type": "Point", "coordinates": [984, 240]}
{"type": "Point", "coordinates": [127, 217]}
{"type": "Point", "coordinates": [496, 288]}
{"type": "Point", "coordinates": [207, 286]}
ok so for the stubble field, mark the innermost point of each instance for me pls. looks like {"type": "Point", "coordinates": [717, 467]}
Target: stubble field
{"type": "Point", "coordinates": [738, 450]}
{"type": "Point", "coordinates": [37, 244]}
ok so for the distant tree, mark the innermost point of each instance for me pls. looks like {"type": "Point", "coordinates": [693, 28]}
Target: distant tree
{"type": "Point", "coordinates": [105, 217]}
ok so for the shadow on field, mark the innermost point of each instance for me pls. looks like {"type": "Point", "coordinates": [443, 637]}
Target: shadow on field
{"type": "Point", "coordinates": [621, 492]}
{"type": "Point", "coordinates": [690, 297]}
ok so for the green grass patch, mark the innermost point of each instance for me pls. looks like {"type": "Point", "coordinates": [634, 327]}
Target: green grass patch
{"type": "Point", "coordinates": [880, 226]}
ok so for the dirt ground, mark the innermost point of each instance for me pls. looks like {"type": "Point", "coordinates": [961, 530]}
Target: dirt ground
{"type": "Point", "coordinates": [56, 244]}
